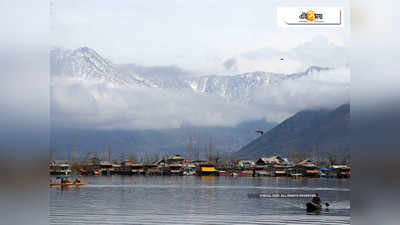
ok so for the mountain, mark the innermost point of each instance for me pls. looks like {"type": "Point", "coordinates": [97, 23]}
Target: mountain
{"type": "Point", "coordinates": [157, 76]}
{"type": "Point", "coordinates": [85, 64]}
{"type": "Point", "coordinates": [309, 130]}
{"type": "Point", "coordinates": [105, 104]}
{"type": "Point", "coordinates": [90, 67]}
{"type": "Point", "coordinates": [240, 87]}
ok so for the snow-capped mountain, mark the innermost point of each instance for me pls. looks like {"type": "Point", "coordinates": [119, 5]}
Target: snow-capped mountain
{"type": "Point", "coordinates": [87, 65]}
{"type": "Point", "coordinates": [233, 87]}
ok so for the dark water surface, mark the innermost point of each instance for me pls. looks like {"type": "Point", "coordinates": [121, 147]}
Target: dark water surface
{"type": "Point", "coordinates": [197, 200]}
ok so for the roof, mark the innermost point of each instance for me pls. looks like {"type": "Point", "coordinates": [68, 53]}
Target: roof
{"type": "Point", "coordinates": [247, 161]}
{"type": "Point", "coordinates": [106, 163]}
{"type": "Point", "coordinates": [59, 163]}
{"type": "Point", "coordinates": [307, 163]}
{"type": "Point", "coordinates": [339, 167]}
{"type": "Point", "coordinates": [137, 164]}
{"type": "Point", "coordinates": [176, 157]}
{"type": "Point", "coordinates": [275, 160]}
{"type": "Point", "coordinates": [63, 165]}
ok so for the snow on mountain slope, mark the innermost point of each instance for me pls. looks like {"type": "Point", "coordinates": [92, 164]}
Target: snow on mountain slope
{"type": "Point", "coordinates": [240, 87]}
{"type": "Point", "coordinates": [86, 65]}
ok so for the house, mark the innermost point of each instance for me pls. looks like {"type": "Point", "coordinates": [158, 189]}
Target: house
{"type": "Point", "coordinates": [306, 168]}
{"type": "Point", "coordinates": [125, 168]}
{"type": "Point", "coordinates": [106, 168]}
{"type": "Point", "coordinates": [138, 169]}
{"type": "Point", "coordinates": [153, 170]}
{"type": "Point", "coordinates": [340, 171]}
{"type": "Point", "coordinates": [279, 170]}
{"type": "Point", "coordinates": [272, 161]}
{"type": "Point", "coordinates": [262, 171]}
{"type": "Point", "coordinates": [272, 166]}
{"type": "Point", "coordinates": [59, 168]}
{"type": "Point", "coordinates": [175, 165]}
{"type": "Point", "coordinates": [206, 169]}
{"type": "Point", "coordinates": [175, 159]}
{"type": "Point", "coordinates": [162, 167]}
{"type": "Point", "coordinates": [246, 163]}
{"type": "Point", "coordinates": [189, 168]}
{"type": "Point", "coordinates": [98, 167]}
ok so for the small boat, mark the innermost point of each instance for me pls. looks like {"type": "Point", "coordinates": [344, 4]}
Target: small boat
{"type": "Point", "coordinates": [223, 174]}
{"type": "Point", "coordinates": [64, 181]}
{"type": "Point", "coordinates": [53, 184]}
{"type": "Point", "coordinates": [313, 207]}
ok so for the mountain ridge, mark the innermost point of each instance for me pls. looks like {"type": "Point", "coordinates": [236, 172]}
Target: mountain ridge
{"type": "Point", "coordinates": [89, 66]}
{"type": "Point", "coordinates": [308, 130]}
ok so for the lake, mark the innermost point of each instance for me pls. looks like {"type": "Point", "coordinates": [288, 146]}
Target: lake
{"type": "Point", "coordinates": [197, 200]}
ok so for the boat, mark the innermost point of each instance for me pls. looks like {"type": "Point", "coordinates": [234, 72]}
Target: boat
{"type": "Point", "coordinates": [64, 181]}
{"type": "Point", "coordinates": [53, 184]}
{"type": "Point", "coordinates": [313, 207]}
{"type": "Point", "coordinates": [222, 173]}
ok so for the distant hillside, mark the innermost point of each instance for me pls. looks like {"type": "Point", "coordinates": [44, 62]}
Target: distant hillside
{"type": "Point", "coordinates": [322, 130]}
{"type": "Point", "coordinates": [167, 141]}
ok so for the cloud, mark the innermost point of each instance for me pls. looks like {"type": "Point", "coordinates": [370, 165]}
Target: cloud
{"type": "Point", "coordinates": [326, 89]}
{"type": "Point", "coordinates": [230, 64]}
{"type": "Point", "coordinates": [100, 106]}
{"type": "Point", "coordinates": [318, 51]}
{"type": "Point", "coordinates": [165, 71]}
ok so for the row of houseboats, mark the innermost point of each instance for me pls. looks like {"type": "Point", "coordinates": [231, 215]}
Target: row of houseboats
{"type": "Point", "coordinates": [177, 165]}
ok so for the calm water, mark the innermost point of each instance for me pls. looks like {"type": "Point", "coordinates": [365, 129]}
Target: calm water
{"type": "Point", "coordinates": [196, 200]}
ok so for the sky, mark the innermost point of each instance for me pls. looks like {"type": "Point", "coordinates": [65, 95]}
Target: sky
{"type": "Point", "coordinates": [224, 37]}
{"type": "Point", "coordinates": [205, 37]}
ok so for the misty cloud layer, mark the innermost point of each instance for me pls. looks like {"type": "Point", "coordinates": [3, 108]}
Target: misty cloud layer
{"type": "Point", "coordinates": [101, 106]}
{"type": "Point", "coordinates": [317, 51]}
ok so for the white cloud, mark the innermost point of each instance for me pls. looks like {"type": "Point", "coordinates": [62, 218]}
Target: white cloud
{"type": "Point", "coordinates": [326, 89]}
{"type": "Point", "coordinates": [318, 51]}
{"type": "Point", "coordinates": [99, 106]}
{"type": "Point", "coordinates": [103, 107]}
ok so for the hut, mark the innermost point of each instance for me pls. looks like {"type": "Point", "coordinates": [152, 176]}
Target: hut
{"type": "Point", "coordinates": [206, 169]}
{"type": "Point", "coordinates": [306, 168]}
{"type": "Point", "coordinates": [340, 171]}
{"type": "Point", "coordinates": [138, 169]}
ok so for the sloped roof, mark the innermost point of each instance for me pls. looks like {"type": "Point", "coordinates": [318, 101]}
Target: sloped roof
{"type": "Point", "coordinates": [275, 160]}
{"type": "Point", "coordinates": [176, 157]}
{"type": "Point", "coordinates": [307, 162]}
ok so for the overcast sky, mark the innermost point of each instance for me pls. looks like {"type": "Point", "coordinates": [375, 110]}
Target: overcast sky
{"type": "Point", "coordinates": [205, 37]}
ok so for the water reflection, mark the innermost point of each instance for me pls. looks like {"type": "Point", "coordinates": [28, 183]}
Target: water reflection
{"type": "Point", "coordinates": [188, 200]}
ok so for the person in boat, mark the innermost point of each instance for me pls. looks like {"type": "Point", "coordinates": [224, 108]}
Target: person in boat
{"type": "Point", "coordinates": [316, 200]}
{"type": "Point", "coordinates": [314, 205]}
{"type": "Point", "coordinates": [77, 181]}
